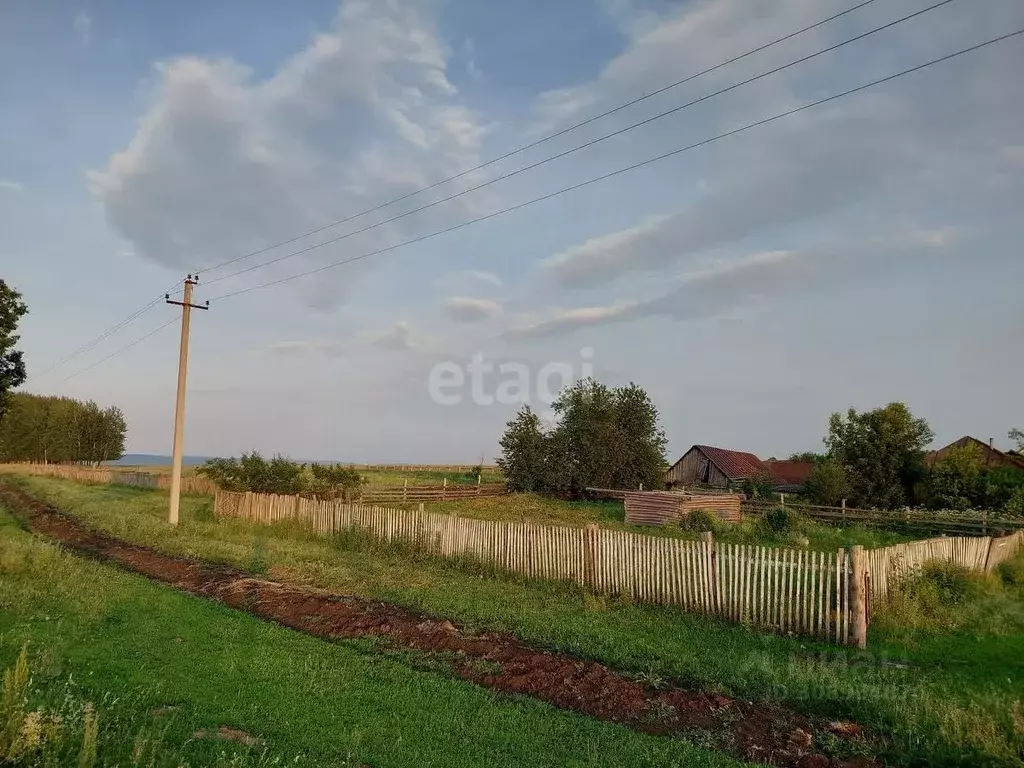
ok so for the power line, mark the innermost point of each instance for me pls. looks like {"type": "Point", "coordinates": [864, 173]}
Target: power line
{"type": "Point", "coordinates": [118, 351]}
{"type": "Point", "coordinates": [586, 144]}
{"type": "Point", "coordinates": [109, 332]}
{"type": "Point", "coordinates": [113, 329]}
{"type": "Point", "coordinates": [628, 168]}
{"type": "Point", "coordinates": [539, 141]}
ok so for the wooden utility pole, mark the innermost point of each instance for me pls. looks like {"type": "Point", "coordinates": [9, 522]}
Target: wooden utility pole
{"type": "Point", "coordinates": [179, 405]}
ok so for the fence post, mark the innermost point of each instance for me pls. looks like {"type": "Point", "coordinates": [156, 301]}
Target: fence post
{"type": "Point", "coordinates": [405, 491]}
{"type": "Point", "coordinates": [990, 562]}
{"type": "Point", "coordinates": [858, 597]}
{"type": "Point", "coordinates": [444, 490]}
{"type": "Point", "coordinates": [707, 538]}
{"type": "Point", "coordinates": [591, 553]}
{"type": "Point", "coordinates": [782, 500]}
{"type": "Point", "coordinates": [843, 507]}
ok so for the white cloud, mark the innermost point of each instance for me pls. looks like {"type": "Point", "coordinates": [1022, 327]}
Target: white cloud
{"type": "Point", "coordinates": [463, 309]}
{"type": "Point", "coordinates": [11, 186]}
{"type": "Point", "coordinates": [738, 284]}
{"type": "Point", "coordinates": [468, 277]}
{"type": "Point", "coordinates": [224, 163]}
{"type": "Point", "coordinates": [83, 27]}
{"type": "Point", "coordinates": [397, 338]}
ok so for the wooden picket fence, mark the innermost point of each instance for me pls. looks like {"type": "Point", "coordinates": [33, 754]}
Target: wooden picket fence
{"type": "Point", "coordinates": [195, 484]}
{"type": "Point", "coordinates": [888, 565]}
{"type": "Point", "coordinates": [777, 589]}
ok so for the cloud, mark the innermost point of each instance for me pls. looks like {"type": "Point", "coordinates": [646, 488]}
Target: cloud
{"type": "Point", "coordinates": [880, 148]}
{"type": "Point", "coordinates": [83, 27]}
{"type": "Point", "coordinates": [397, 338]}
{"type": "Point", "coordinates": [462, 309]}
{"type": "Point", "coordinates": [11, 186]}
{"type": "Point", "coordinates": [296, 348]}
{"type": "Point", "coordinates": [735, 285]}
{"type": "Point", "coordinates": [471, 277]}
{"type": "Point", "coordinates": [224, 163]}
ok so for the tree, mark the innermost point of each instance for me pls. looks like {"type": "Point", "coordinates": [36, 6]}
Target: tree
{"type": "Point", "coordinates": [760, 486]}
{"type": "Point", "coordinates": [603, 437]}
{"type": "Point", "coordinates": [523, 452]}
{"type": "Point", "coordinates": [827, 483]}
{"type": "Point", "coordinates": [882, 452]}
{"type": "Point", "coordinates": [808, 456]}
{"type": "Point", "coordinates": [12, 363]}
{"type": "Point", "coordinates": [60, 429]}
{"type": "Point", "coordinates": [1017, 436]}
{"type": "Point", "coordinates": [331, 481]}
{"type": "Point", "coordinates": [957, 481]}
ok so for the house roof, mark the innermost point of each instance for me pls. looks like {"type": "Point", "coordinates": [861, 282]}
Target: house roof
{"type": "Point", "coordinates": [790, 473]}
{"type": "Point", "coordinates": [736, 465]}
{"type": "Point", "coordinates": [1005, 457]}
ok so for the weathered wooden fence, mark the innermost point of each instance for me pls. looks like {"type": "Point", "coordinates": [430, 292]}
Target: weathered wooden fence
{"type": "Point", "coordinates": [779, 589]}
{"type": "Point", "coordinates": [196, 484]}
{"type": "Point", "coordinates": [412, 493]}
{"type": "Point", "coordinates": [888, 565]}
{"type": "Point", "coordinates": [977, 523]}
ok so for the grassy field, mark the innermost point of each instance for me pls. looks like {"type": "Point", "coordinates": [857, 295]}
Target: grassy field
{"type": "Point", "coordinates": [163, 673]}
{"type": "Point", "coordinates": [389, 477]}
{"type": "Point", "coordinates": [943, 685]}
{"type": "Point", "coordinates": [530, 507]}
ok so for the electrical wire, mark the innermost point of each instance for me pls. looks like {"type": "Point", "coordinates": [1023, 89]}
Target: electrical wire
{"type": "Point", "coordinates": [626, 169]}
{"type": "Point", "coordinates": [118, 351]}
{"type": "Point", "coordinates": [107, 333]}
{"type": "Point", "coordinates": [586, 144]}
{"type": "Point", "coordinates": [539, 141]}
{"type": "Point", "coordinates": [110, 331]}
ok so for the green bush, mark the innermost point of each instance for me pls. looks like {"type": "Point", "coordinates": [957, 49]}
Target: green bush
{"type": "Point", "coordinates": [779, 522]}
{"type": "Point", "coordinates": [1015, 506]}
{"type": "Point", "coordinates": [1012, 572]}
{"type": "Point", "coordinates": [941, 597]}
{"type": "Point", "coordinates": [700, 520]}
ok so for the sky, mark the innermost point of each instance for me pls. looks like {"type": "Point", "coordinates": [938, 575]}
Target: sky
{"type": "Point", "coordinates": [851, 254]}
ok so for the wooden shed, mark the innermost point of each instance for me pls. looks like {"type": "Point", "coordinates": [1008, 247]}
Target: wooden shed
{"type": "Point", "coordinates": [715, 467]}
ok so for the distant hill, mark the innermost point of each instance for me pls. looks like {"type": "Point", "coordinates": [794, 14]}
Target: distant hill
{"type": "Point", "coordinates": [155, 460]}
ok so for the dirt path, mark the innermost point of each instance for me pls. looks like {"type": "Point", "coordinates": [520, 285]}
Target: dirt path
{"type": "Point", "coordinates": [756, 732]}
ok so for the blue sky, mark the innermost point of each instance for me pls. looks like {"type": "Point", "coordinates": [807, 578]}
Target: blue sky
{"type": "Point", "coordinates": [860, 252]}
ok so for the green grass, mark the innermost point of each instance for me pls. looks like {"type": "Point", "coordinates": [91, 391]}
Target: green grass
{"type": "Point", "coordinates": [535, 508]}
{"type": "Point", "coordinates": [946, 697]}
{"type": "Point", "coordinates": [158, 666]}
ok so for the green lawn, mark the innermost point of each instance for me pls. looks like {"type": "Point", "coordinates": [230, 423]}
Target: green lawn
{"type": "Point", "coordinates": [944, 696]}
{"type": "Point", "coordinates": [159, 666]}
{"type": "Point", "coordinates": [531, 507]}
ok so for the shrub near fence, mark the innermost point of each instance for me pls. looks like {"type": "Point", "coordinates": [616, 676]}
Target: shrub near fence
{"type": "Point", "coordinates": [777, 589]}
{"type": "Point", "coordinates": [887, 565]}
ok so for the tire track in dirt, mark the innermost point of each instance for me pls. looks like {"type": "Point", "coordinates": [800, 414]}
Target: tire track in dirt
{"type": "Point", "coordinates": [757, 732]}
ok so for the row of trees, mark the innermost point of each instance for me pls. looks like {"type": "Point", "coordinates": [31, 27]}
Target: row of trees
{"type": "Point", "coordinates": [602, 437]}
{"type": "Point", "coordinates": [877, 459]}
{"type": "Point", "coordinates": [254, 473]}
{"type": "Point", "coordinates": [60, 429]}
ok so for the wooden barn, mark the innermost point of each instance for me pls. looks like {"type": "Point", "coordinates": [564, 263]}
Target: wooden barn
{"type": "Point", "coordinates": [714, 467]}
